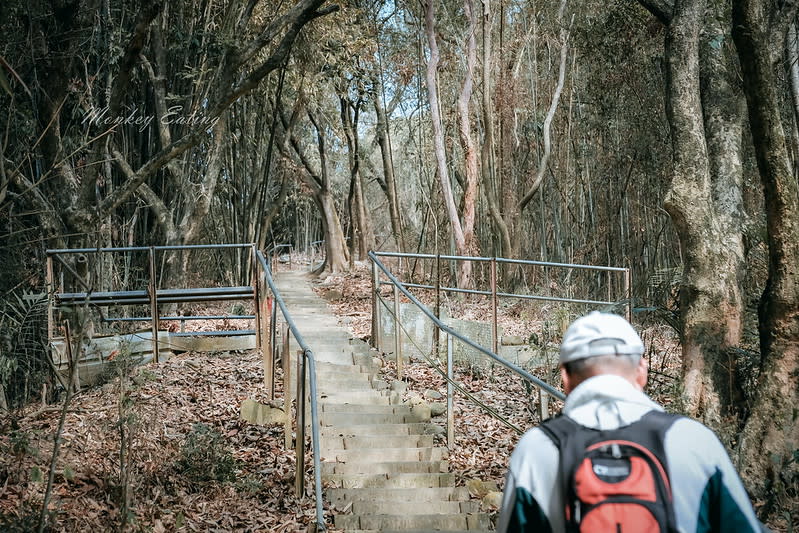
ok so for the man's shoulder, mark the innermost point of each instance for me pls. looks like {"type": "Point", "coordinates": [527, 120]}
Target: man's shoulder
{"type": "Point", "coordinates": [687, 427]}
{"type": "Point", "coordinates": [535, 440]}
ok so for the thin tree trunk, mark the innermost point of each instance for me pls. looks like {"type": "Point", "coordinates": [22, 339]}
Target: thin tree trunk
{"type": "Point", "coordinates": [553, 107]}
{"type": "Point", "coordinates": [438, 131]}
{"type": "Point", "coordinates": [383, 139]}
{"type": "Point", "coordinates": [469, 151]}
{"type": "Point", "coordinates": [362, 234]}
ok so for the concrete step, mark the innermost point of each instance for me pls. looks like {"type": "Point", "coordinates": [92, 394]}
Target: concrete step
{"type": "Point", "coordinates": [378, 454]}
{"type": "Point", "coordinates": [366, 430]}
{"type": "Point", "coordinates": [389, 481]}
{"type": "Point", "coordinates": [345, 367]}
{"type": "Point", "coordinates": [359, 396]}
{"type": "Point", "coordinates": [381, 455]}
{"type": "Point", "coordinates": [376, 442]}
{"type": "Point", "coordinates": [409, 508]}
{"type": "Point", "coordinates": [341, 497]}
{"type": "Point", "coordinates": [350, 419]}
{"type": "Point", "coordinates": [330, 407]}
{"type": "Point", "coordinates": [436, 522]}
{"type": "Point", "coordinates": [345, 379]}
{"type": "Point", "coordinates": [342, 368]}
{"type": "Point", "coordinates": [332, 386]}
{"type": "Point", "coordinates": [393, 467]}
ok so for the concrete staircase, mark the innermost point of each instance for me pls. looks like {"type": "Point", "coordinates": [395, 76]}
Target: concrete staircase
{"type": "Point", "coordinates": [378, 455]}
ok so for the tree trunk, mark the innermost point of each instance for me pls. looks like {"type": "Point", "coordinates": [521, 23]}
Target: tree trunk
{"type": "Point", "coordinates": [771, 434]}
{"type": "Point", "coordinates": [438, 138]}
{"type": "Point", "coordinates": [383, 139]}
{"type": "Point", "coordinates": [723, 115]}
{"type": "Point", "coordinates": [710, 302]}
{"type": "Point", "coordinates": [469, 200]}
{"type": "Point", "coordinates": [363, 238]}
{"type": "Point", "coordinates": [336, 254]}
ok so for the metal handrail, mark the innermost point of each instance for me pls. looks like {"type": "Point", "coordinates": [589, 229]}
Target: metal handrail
{"type": "Point", "coordinates": [151, 296]}
{"type": "Point", "coordinates": [507, 364]}
{"type": "Point", "coordinates": [501, 260]}
{"type": "Point", "coordinates": [509, 294]}
{"type": "Point", "coordinates": [494, 261]}
{"type": "Point", "coordinates": [308, 358]}
{"type": "Point", "coordinates": [146, 248]}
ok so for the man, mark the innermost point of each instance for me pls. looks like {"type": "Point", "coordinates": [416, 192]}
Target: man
{"type": "Point", "coordinates": [604, 374]}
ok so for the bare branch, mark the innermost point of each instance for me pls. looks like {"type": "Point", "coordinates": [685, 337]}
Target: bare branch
{"type": "Point", "coordinates": [135, 45]}
{"type": "Point", "coordinates": [662, 9]}
{"type": "Point", "coordinates": [553, 107]}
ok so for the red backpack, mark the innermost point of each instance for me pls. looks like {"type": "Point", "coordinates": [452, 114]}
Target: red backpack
{"type": "Point", "coordinates": [616, 481]}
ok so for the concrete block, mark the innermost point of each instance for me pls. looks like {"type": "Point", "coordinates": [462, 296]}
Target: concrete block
{"type": "Point", "coordinates": [263, 415]}
{"type": "Point", "coordinates": [438, 408]}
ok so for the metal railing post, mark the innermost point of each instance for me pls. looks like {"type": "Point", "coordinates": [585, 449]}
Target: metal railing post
{"type": "Point", "coordinates": [436, 331]}
{"type": "Point", "coordinates": [299, 444]}
{"type": "Point", "coordinates": [397, 337]}
{"type": "Point", "coordinates": [50, 288]}
{"type": "Point", "coordinates": [376, 321]}
{"type": "Point", "coordinates": [272, 349]}
{"type": "Point", "coordinates": [256, 299]}
{"type": "Point", "coordinates": [543, 399]}
{"type": "Point", "coordinates": [285, 359]}
{"type": "Point", "coordinates": [628, 293]}
{"type": "Point", "coordinates": [450, 413]}
{"type": "Point", "coordinates": [152, 289]}
{"type": "Point", "coordinates": [494, 304]}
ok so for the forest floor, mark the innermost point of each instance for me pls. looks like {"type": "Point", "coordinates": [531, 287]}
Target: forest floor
{"type": "Point", "coordinates": [137, 450]}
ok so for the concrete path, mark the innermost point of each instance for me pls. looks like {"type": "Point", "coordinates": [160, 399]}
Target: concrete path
{"type": "Point", "coordinates": [378, 455]}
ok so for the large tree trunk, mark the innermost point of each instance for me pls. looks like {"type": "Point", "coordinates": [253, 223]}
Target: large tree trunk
{"type": "Point", "coordinates": [703, 201]}
{"type": "Point", "coordinates": [723, 115]}
{"type": "Point", "coordinates": [771, 434]}
{"type": "Point", "coordinates": [336, 253]}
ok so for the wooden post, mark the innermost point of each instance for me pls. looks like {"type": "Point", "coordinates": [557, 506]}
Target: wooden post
{"type": "Point", "coordinates": [152, 289]}
{"type": "Point", "coordinates": [450, 412]}
{"type": "Point", "coordinates": [299, 444]}
{"type": "Point", "coordinates": [397, 337]}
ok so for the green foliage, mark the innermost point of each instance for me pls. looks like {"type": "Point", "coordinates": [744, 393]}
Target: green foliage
{"type": "Point", "coordinates": [36, 474]}
{"type": "Point", "coordinates": [25, 519]}
{"type": "Point", "coordinates": [19, 444]}
{"type": "Point", "coordinates": [205, 457]}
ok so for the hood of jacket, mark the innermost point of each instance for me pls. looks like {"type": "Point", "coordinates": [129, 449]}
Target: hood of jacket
{"type": "Point", "coordinates": [607, 402]}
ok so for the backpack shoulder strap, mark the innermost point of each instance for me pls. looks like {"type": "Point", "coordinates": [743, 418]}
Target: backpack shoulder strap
{"type": "Point", "coordinates": [651, 429]}
{"type": "Point", "coordinates": [559, 428]}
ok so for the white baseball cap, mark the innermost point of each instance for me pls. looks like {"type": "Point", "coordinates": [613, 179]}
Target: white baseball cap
{"type": "Point", "coordinates": [599, 334]}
